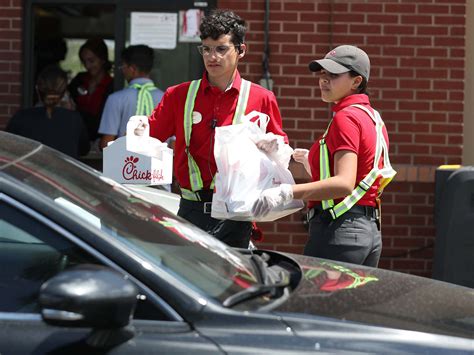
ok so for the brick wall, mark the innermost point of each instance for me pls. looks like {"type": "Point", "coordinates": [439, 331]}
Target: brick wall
{"type": "Point", "coordinates": [10, 58]}
{"type": "Point", "coordinates": [417, 50]}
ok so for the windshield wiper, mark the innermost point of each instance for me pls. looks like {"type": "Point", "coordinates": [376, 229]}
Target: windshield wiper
{"type": "Point", "coordinates": [272, 282]}
{"type": "Point", "coordinates": [275, 291]}
{"type": "Point", "coordinates": [261, 265]}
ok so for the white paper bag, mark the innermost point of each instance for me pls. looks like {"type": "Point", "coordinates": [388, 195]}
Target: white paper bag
{"type": "Point", "coordinates": [244, 171]}
{"type": "Point", "coordinates": [138, 158]}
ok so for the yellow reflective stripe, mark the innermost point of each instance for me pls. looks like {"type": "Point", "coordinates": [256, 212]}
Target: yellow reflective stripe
{"type": "Point", "coordinates": [144, 99]}
{"type": "Point", "coordinates": [361, 189]}
{"type": "Point", "coordinates": [324, 168]}
{"type": "Point", "coordinates": [324, 171]}
{"type": "Point", "coordinates": [241, 101]}
{"type": "Point", "coordinates": [189, 195]}
{"type": "Point", "coordinates": [194, 174]}
{"type": "Point", "coordinates": [213, 182]}
{"type": "Point", "coordinates": [378, 131]}
{"type": "Point", "coordinates": [387, 173]}
{"type": "Point", "coordinates": [364, 185]}
{"type": "Point", "coordinates": [188, 109]}
{"type": "Point", "coordinates": [379, 148]}
{"type": "Point", "coordinates": [322, 160]}
{"type": "Point", "coordinates": [349, 201]}
{"type": "Point", "coordinates": [148, 99]}
{"type": "Point", "coordinates": [148, 103]}
{"type": "Point", "coordinates": [371, 177]}
{"type": "Point", "coordinates": [195, 178]}
{"type": "Point", "coordinates": [327, 204]}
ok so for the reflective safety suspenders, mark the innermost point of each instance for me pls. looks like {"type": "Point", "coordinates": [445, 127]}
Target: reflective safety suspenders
{"type": "Point", "coordinates": [144, 101]}
{"type": "Point", "coordinates": [241, 101]}
{"type": "Point", "coordinates": [386, 173]}
{"type": "Point", "coordinates": [194, 172]}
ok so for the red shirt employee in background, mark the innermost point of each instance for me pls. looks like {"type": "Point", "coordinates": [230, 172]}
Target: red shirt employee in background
{"type": "Point", "coordinates": [90, 89]}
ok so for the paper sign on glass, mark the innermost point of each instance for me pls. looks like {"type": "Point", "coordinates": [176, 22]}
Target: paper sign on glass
{"type": "Point", "coordinates": [189, 25]}
{"type": "Point", "coordinates": [155, 29]}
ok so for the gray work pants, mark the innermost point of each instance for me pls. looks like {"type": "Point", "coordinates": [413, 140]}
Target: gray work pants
{"type": "Point", "coordinates": [352, 238]}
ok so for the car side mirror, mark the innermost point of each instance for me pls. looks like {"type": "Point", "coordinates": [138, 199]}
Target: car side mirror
{"type": "Point", "coordinates": [88, 296]}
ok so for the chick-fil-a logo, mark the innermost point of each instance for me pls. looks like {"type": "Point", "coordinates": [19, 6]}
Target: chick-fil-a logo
{"type": "Point", "coordinates": [130, 171]}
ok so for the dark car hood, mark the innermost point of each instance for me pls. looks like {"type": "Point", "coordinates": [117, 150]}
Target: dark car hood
{"type": "Point", "coordinates": [380, 297]}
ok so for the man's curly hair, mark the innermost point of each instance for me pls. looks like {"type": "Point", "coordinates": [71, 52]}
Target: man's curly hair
{"type": "Point", "coordinates": [222, 22]}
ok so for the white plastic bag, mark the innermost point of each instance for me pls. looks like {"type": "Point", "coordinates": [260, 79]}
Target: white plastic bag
{"type": "Point", "coordinates": [244, 171]}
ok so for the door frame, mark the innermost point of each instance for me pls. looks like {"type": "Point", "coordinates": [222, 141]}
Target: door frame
{"type": "Point", "coordinates": [121, 8]}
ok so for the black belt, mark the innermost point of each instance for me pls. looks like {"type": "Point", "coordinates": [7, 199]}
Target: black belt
{"type": "Point", "coordinates": [368, 211]}
{"type": "Point", "coordinates": [202, 195]}
{"type": "Point", "coordinates": [204, 207]}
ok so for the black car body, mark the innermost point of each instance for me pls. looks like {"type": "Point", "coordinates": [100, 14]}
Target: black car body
{"type": "Point", "coordinates": [88, 266]}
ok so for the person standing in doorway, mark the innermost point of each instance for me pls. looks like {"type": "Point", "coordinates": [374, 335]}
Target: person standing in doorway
{"type": "Point", "coordinates": [139, 98]}
{"type": "Point", "coordinates": [90, 89]}
{"type": "Point", "coordinates": [191, 111]}
{"type": "Point", "coordinates": [48, 122]}
{"type": "Point", "coordinates": [349, 166]}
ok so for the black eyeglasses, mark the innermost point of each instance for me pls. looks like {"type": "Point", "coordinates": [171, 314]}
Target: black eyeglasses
{"type": "Point", "coordinates": [220, 51]}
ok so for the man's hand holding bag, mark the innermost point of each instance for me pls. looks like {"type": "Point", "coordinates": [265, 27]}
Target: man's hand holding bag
{"type": "Point", "coordinates": [245, 171]}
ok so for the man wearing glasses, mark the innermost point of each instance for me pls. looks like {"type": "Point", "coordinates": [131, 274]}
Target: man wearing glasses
{"type": "Point", "coordinates": [191, 111]}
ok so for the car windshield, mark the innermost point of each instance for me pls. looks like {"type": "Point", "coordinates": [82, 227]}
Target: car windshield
{"type": "Point", "coordinates": [158, 237]}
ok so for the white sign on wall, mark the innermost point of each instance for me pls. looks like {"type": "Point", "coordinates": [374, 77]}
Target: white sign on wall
{"type": "Point", "coordinates": [155, 29]}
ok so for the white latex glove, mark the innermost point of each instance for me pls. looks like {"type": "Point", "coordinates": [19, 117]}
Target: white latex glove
{"type": "Point", "coordinates": [142, 124]}
{"type": "Point", "coordinates": [268, 143]}
{"type": "Point", "coordinates": [272, 198]}
{"type": "Point", "coordinates": [301, 156]}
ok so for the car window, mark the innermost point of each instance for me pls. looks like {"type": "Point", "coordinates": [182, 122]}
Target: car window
{"type": "Point", "coordinates": [30, 254]}
{"type": "Point", "coordinates": [164, 240]}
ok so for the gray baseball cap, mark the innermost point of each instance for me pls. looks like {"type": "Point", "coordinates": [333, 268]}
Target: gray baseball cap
{"type": "Point", "coordinates": [343, 59]}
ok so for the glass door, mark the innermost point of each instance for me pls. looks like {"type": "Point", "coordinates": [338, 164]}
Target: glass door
{"type": "Point", "coordinates": [58, 31]}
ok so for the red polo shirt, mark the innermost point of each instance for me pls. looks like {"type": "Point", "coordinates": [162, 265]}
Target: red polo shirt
{"type": "Point", "coordinates": [93, 103]}
{"type": "Point", "coordinates": [351, 129]}
{"type": "Point", "coordinates": [167, 120]}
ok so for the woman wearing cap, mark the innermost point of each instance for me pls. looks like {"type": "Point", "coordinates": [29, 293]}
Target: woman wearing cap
{"type": "Point", "coordinates": [348, 166]}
